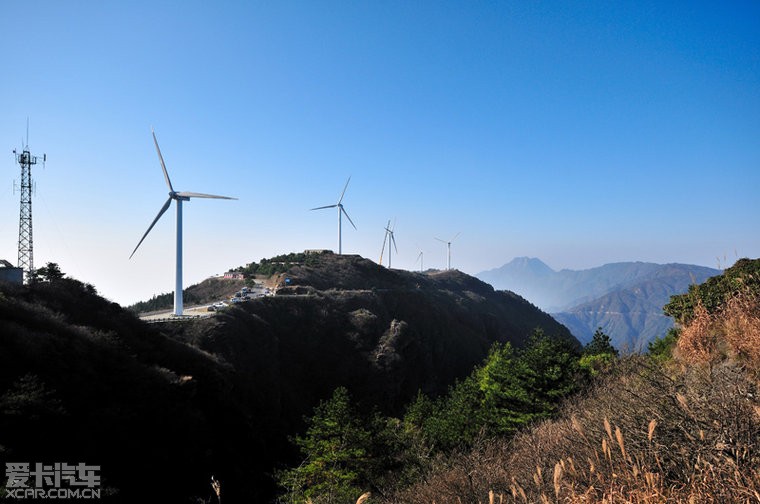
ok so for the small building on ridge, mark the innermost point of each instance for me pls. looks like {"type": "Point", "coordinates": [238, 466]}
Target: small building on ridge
{"type": "Point", "coordinates": [11, 274]}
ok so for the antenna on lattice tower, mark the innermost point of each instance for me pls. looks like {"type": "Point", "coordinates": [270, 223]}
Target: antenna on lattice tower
{"type": "Point", "coordinates": [26, 188]}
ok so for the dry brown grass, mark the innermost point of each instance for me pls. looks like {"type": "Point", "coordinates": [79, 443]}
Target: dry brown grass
{"type": "Point", "coordinates": [732, 332]}
{"type": "Point", "coordinates": [687, 431]}
{"type": "Point", "coordinates": [741, 328]}
{"type": "Point", "coordinates": [645, 433]}
{"type": "Point", "coordinates": [363, 498]}
{"type": "Point", "coordinates": [631, 441]}
{"type": "Point", "coordinates": [217, 488]}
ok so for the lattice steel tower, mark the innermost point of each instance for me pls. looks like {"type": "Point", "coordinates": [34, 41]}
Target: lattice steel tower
{"type": "Point", "coordinates": [25, 243]}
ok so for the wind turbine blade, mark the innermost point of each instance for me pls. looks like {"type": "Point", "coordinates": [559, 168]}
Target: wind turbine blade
{"type": "Point", "coordinates": [455, 237]}
{"type": "Point", "coordinates": [442, 241]}
{"type": "Point", "coordinates": [160, 213]}
{"type": "Point", "coordinates": [186, 194]}
{"type": "Point", "coordinates": [321, 207]}
{"type": "Point", "coordinates": [393, 239]}
{"type": "Point", "coordinates": [347, 217]}
{"type": "Point", "coordinates": [163, 166]}
{"type": "Point", "coordinates": [418, 258]}
{"type": "Point", "coordinates": [344, 192]}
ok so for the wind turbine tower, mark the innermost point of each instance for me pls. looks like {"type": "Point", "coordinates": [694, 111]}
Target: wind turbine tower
{"type": "Point", "coordinates": [178, 197]}
{"type": "Point", "coordinates": [341, 212]}
{"type": "Point", "coordinates": [448, 249]}
{"type": "Point", "coordinates": [25, 242]}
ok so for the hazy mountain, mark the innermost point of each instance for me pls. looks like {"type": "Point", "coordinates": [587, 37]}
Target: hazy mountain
{"type": "Point", "coordinates": [526, 276]}
{"type": "Point", "coordinates": [633, 315]}
{"type": "Point", "coordinates": [555, 291]}
{"type": "Point", "coordinates": [624, 299]}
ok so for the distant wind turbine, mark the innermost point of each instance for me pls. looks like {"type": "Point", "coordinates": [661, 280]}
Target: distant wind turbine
{"type": "Point", "coordinates": [341, 212]}
{"type": "Point", "coordinates": [178, 197]}
{"type": "Point", "coordinates": [448, 249]}
{"type": "Point", "coordinates": [388, 234]}
{"type": "Point", "coordinates": [420, 260]}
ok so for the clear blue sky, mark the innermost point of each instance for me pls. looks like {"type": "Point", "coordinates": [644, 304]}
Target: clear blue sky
{"type": "Point", "coordinates": [581, 133]}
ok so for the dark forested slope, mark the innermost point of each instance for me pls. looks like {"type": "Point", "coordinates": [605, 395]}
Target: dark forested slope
{"type": "Point", "coordinates": [162, 408]}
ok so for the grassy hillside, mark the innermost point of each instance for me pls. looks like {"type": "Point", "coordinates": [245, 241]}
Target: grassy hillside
{"type": "Point", "coordinates": [682, 426]}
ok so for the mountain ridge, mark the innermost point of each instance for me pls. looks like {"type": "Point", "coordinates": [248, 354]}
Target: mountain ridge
{"type": "Point", "coordinates": [581, 299]}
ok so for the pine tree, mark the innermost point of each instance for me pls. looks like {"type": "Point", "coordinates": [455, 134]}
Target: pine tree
{"type": "Point", "coordinates": [335, 447]}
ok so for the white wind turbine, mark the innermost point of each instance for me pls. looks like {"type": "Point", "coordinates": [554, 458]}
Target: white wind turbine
{"type": "Point", "coordinates": [420, 259]}
{"type": "Point", "coordinates": [341, 212]}
{"type": "Point", "coordinates": [388, 234]}
{"type": "Point", "coordinates": [448, 249]}
{"type": "Point", "coordinates": [178, 197]}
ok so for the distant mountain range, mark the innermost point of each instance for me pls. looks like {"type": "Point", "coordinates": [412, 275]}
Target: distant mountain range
{"type": "Point", "coordinates": [624, 299]}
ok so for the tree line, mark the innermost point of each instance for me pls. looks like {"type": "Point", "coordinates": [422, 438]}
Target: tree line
{"type": "Point", "coordinates": [347, 450]}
